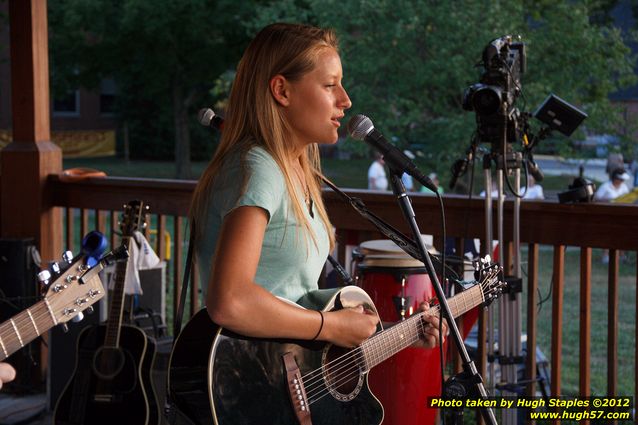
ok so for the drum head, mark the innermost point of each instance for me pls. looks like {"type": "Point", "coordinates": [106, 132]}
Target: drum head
{"type": "Point", "coordinates": [386, 246]}
{"type": "Point", "coordinates": [391, 261]}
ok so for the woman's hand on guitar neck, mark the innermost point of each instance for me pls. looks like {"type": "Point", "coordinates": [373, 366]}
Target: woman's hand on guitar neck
{"type": "Point", "coordinates": [7, 373]}
{"type": "Point", "coordinates": [431, 328]}
{"type": "Point", "coordinates": [348, 327]}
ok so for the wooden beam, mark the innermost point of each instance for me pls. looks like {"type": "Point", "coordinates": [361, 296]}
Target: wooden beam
{"type": "Point", "coordinates": [26, 209]}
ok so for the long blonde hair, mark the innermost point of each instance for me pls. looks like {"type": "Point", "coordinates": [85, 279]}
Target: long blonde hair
{"type": "Point", "coordinates": [253, 118]}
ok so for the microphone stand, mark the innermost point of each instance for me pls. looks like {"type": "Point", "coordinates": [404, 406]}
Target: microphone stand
{"type": "Point", "coordinates": [470, 374]}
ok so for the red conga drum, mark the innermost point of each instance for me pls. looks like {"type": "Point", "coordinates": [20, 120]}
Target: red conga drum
{"type": "Point", "coordinates": [397, 284]}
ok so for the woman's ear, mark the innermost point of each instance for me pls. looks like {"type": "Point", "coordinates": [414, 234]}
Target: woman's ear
{"type": "Point", "coordinates": [279, 89]}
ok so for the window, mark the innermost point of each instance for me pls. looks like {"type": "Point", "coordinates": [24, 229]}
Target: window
{"type": "Point", "coordinates": [68, 105]}
{"type": "Point", "coordinates": [107, 96]}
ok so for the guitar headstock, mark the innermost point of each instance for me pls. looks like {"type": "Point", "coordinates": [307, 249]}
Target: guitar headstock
{"type": "Point", "coordinates": [490, 276]}
{"type": "Point", "coordinates": [73, 291]}
{"type": "Point", "coordinates": [133, 217]}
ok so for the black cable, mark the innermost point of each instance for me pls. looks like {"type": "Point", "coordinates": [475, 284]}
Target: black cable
{"type": "Point", "coordinates": [443, 231]}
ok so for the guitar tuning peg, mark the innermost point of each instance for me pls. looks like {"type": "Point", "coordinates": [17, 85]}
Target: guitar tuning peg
{"type": "Point", "coordinates": [67, 257]}
{"type": "Point", "coordinates": [78, 318]}
{"type": "Point", "coordinates": [89, 310]}
{"type": "Point", "coordinates": [55, 267]}
{"type": "Point", "coordinates": [44, 276]}
{"type": "Point", "coordinates": [65, 328]}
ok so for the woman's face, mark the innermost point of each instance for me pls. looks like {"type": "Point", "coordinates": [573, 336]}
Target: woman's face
{"type": "Point", "coordinates": [317, 102]}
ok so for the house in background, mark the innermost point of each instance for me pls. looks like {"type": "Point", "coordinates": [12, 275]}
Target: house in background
{"type": "Point", "coordinates": [82, 123]}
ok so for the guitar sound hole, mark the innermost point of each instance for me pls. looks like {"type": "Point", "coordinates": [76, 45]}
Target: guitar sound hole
{"type": "Point", "coordinates": [342, 372]}
{"type": "Point", "coordinates": [108, 362]}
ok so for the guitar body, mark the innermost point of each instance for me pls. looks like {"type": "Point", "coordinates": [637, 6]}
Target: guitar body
{"type": "Point", "coordinates": [219, 377]}
{"type": "Point", "coordinates": [110, 385]}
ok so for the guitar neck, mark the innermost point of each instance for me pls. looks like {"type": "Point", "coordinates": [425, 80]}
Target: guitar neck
{"type": "Point", "coordinates": [24, 327]}
{"type": "Point", "coordinates": [114, 324]}
{"type": "Point", "coordinates": [389, 342]}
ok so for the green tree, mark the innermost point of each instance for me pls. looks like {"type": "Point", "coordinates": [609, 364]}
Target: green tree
{"type": "Point", "coordinates": [164, 56]}
{"type": "Point", "coordinates": [407, 62]}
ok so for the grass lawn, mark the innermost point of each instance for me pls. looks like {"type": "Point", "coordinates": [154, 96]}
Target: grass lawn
{"type": "Point", "coordinates": [351, 173]}
{"type": "Point", "coordinates": [571, 320]}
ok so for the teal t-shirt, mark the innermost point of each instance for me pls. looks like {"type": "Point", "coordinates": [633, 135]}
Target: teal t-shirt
{"type": "Point", "coordinates": [290, 263]}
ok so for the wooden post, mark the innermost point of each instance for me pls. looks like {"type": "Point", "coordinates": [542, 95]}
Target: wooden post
{"type": "Point", "coordinates": [25, 208]}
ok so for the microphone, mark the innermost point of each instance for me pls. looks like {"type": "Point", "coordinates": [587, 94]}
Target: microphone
{"type": "Point", "coordinates": [533, 169]}
{"type": "Point", "coordinates": [360, 127]}
{"type": "Point", "coordinates": [208, 118]}
{"type": "Point", "coordinates": [459, 168]}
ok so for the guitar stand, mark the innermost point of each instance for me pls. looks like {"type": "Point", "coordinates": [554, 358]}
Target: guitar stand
{"type": "Point", "coordinates": [469, 368]}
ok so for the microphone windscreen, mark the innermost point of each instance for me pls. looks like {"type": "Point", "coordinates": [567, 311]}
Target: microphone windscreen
{"type": "Point", "coordinates": [360, 126]}
{"type": "Point", "coordinates": [205, 116]}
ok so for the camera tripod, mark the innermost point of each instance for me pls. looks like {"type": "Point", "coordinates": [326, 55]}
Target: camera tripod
{"type": "Point", "coordinates": [509, 306]}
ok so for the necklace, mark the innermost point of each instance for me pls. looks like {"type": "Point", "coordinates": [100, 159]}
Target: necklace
{"type": "Point", "coordinates": [307, 198]}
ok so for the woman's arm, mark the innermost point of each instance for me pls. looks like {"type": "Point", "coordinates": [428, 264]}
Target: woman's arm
{"type": "Point", "coordinates": [236, 302]}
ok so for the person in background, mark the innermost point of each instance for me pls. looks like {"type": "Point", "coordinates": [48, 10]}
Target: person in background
{"type": "Point", "coordinates": [494, 190]}
{"type": "Point", "coordinates": [613, 188]}
{"type": "Point", "coordinates": [7, 373]}
{"type": "Point", "coordinates": [406, 178]}
{"type": "Point", "coordinates": [615, 160]}
{"type": "Point", "coordinates": [534, 191]}
{"type": "Point", "coordinates": [377, 178]}
{"type": "Point", "coordinates": [435, 180]}
{"type": "Point", "coordinates": [609, 191]}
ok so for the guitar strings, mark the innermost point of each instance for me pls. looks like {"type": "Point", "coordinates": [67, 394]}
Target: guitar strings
{"type": "Point", "coordinates": [11, 338]}
{"type": "Point", "coordinates": [14, 340]}
{"type": "Point", "coordinates": [340, 378]}
{"type": "Point", "coordinates": [354, 357]}
{"type": "Point", "coordinates": [343, 378]}
{"type": "Point", "coordinates": [321, 393]}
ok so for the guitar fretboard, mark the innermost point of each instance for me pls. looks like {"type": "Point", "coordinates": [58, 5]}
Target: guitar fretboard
{"type": "Point", "coordinates": [405, 333]}
{"type": "Point", "coordinates": [24, 327]}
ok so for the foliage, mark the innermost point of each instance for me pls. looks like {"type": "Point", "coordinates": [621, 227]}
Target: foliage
{"type": "Point", "coordinates": [406, 62]}
{"type": "Point", "coordinates": [162, 54]}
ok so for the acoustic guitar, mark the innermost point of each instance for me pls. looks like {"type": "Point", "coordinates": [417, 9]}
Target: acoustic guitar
{"type": "Point", "coordinates": [111, 383]}
{"type": "Point", "coordinates": [219, 377]}
{"type": "Point", "coordinates": [72, 292]}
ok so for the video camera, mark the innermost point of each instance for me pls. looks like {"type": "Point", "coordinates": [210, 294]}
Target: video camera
{"type": "Point", "coordinates": [493, 98]}
{"type": "Point", "coordinates": [499, 122]}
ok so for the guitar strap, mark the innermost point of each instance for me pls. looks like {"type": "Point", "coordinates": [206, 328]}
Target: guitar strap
{"type": "Point", "coordinates": [170, 411]}
{"type": "Point", "coordinates": [177, 321]}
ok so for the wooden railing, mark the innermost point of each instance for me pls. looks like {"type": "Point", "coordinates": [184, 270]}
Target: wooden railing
{"type": "Point", "coordinates": [586, 226]}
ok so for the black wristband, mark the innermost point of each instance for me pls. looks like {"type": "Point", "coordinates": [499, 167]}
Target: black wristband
{"type": "Point", "coordinates": [320, 327]}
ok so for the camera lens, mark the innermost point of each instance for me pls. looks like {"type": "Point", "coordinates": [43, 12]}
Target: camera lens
{"type": "Point", "coordinates": [487, 100]}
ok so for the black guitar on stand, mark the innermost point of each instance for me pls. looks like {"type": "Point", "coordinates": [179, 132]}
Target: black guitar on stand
{"type": "Point", "coordinates": [111, 383]}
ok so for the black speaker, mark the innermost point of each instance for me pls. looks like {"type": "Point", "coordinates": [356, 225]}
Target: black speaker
{"type": "Point", "coordinates": [19, 266]}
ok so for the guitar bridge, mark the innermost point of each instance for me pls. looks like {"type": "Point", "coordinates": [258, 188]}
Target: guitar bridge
{"type": "Point", "coordinates": [296, 390]}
